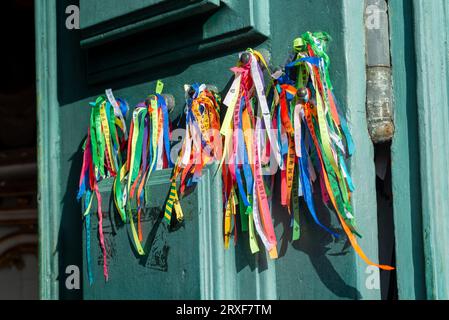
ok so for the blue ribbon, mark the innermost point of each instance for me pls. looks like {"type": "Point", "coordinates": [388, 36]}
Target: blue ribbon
{"type": "Point", "coordinates": [241, 159]}
{"type": "Point", "coordinates": [88, 241]}
{"type": "Point", "coordinates": [82, 188]}
{"type": "Point", "coordinates": [312, 60]}
{"type": "Point", "coordinates": [307, 189]}
{"type": "Point", "coordinates": [123, 106]}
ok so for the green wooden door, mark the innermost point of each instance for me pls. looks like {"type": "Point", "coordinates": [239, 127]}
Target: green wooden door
{"type": "Point", "coordinates": [179, 264]}
{"type": "Point", "coordinates": [128, 48]}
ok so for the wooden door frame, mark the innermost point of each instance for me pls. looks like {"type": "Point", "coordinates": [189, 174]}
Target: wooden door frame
{"type": "Point", "coordinates": [420, 148]}
{"type": "Point", "coordinates": [49, 206]}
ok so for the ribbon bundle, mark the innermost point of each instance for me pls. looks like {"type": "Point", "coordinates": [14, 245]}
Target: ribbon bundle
{"type": "Point", "coordinates": [297, 126]}
{"type": "Point", "coordinates": [310, 132]}
{"type": "Point", "coordinates": [305, 133]}
{"type": "Point", "coordinates": [246, 150]}
{"type": "Point", "coordinates": [108, 152]}
{"type": "Point", "coordinates": [102, 158]}
{"type": "Point", "coordinates": [201, 146]}
{"type": "Point", "coordinates": [148, 150]}
{"type": "Point", "coordinates": [314, 138]}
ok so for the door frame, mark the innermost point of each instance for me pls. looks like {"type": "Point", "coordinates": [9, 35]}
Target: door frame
{"type": "Point", "coordinates": [420, 149]}
{"type": "Point", "coordinates": [48, 149]}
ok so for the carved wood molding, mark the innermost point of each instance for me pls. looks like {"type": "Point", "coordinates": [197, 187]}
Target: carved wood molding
{"type": "Point", "coordinates": [199, 30]}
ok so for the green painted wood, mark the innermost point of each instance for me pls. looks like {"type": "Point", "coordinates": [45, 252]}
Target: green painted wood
{"type": "Point", "coordinates": [104, 21]}
{"type": "Point", "coordinates": [95, 12]}
{"type": "Point", "coordinates": [181, 264]}
{"type": "Point", "coordinates": [123, 52]}
{"type": "Point", "coordinates": [433, 115]}
{"type": "Point", "coordinates": [420, 148]}
{"type": "Point", "coordinates": [405, 156]}
{"type": "Point", "coordinates": [48, 147]}
{"type": "Point", "coordinates": [315, 267]}
{"type": "Point", "coordinates": [362, 164]}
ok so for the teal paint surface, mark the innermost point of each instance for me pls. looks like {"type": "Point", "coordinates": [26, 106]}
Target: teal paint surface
{"type": "Point", "coordinates": [362, 166]}
{"type": "Point", "coordinates": [103, 21]}
{"type": "Point", "coordinates": [433, 115]}
{"type": "Point", "coordinates": [405, 156]}
{"type": "Point", "coordinates": [420, 148]}
{"type": "Point", "coordinates": [99, 11]}
{"type": "Point", "coordinates": [237, 24]}
{"type": "Point", "coordinates": [315, 267]}
{"type": "Point", "coordinates": [48, 147]}
{"type": "Point", "coordinates": [184, 264]}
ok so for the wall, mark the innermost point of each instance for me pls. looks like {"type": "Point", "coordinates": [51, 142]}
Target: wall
{"type": "Point", "coordinates": [19, 280]}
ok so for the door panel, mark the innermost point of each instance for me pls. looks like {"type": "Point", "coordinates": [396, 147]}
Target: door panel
{"type": "Point", "coordinates": [168, 37]}
{"type": "Point", "coordinates": [189, 49]}
{"type": "Point", "coordinates": [178, 264]}
{"type": "Point", "coordinates": [97, 15]}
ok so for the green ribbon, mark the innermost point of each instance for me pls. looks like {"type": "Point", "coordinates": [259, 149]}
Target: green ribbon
{"type": "Point", "coordinates": [254, 246]}
{"type": "Point", "coordinates": [295, 205]}
{"type": "Point", "coordinates": [243, 213]}
{"type": "Point", "coordinates": [318, 42]}
{"type": "Point", "coordinates": [138, 146]}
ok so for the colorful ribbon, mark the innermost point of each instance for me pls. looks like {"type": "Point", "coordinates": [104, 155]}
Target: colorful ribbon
{"type": "Point", "coordinates": [318, 139]}
{"type": "Point", "coordinates": [293, 123]}
{"type": "Point", "coordinates": [201, 145]}
{"type": "Point", "coordinates": [102, 158]}
{"type": "Point", "coordinates": [245, 128]}
{"type": "Point", "coordinates": [148, 151]}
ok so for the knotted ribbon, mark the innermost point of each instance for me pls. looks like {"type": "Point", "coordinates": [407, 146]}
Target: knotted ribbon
{"type": "Point", "coordinates": [102, 158]}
